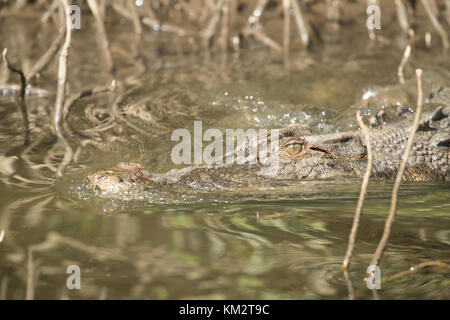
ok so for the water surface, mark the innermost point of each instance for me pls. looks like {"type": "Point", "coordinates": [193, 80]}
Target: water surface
{"type": "Point", "coordinates": [283, 245]}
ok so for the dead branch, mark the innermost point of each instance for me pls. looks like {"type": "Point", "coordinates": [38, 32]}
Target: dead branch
{"type": "Point", "coordinates": [209, 31]}
{"type": "Point", "coordinates": [436, 24]}
{"type": "Point", "coordinates": [167, 27]}
{"type": "Point", "coordinates": [135, 17]}
{"type": "Point", "coordinates": [286, 26]}
{"type": "Point", "coordinates": [398, 180]}
{"type": "Point", "coordinates": [406, 55]}
{"type": "Point", "coordinates": [257, 12]}
{"type": "Point", "coordinates": [261, 36]}
{"type": "Point", "coordinates": [402, 16]}
{"type": "Point", "coordinates": [101, 32]}
{"type": "Point", "coordinates": [362, 194]}
{"type": "Point", "coordinates": [47, 56]}
{"type": "Point", "coordinates": [62, 70]}
{"type": "Point", "coordinates": [60, 91]}
{"type": "Point", "coordinates": [301, 23]}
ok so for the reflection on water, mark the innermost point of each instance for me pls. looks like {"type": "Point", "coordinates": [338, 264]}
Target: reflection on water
{"type": "Point", "coordinates": [254, 250]}
{"type": "Point", "coordinates": [288, 244]}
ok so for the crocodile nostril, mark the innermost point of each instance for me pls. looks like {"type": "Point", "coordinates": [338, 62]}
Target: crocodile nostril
{"type": "Point", "coordinates": [318, 149]}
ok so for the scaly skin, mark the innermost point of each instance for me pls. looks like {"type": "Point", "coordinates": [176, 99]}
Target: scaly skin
{"type": "Point", "coordinates": [302, 156]}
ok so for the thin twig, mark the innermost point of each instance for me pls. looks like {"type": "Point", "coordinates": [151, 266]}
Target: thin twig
{"type": "Point", "coordinates": [436, 23]}
{"type": "Point", "coordinates": [47, 56]}
{"type": "Point", "coordinates": [60, 91]}
{"type": "Point", "coordinates": [286, 26]}
{"type": "Point", "coordinates": [447, 11]}
{"type": "Point", "coordinates": [225, 25]}
{"type": "Point", "coordinates": [49, 11]}
{"type": "Point", "coordinates": [135, 18]}
{"type": "Point", "coordinates": [301, 24]}
{"type": "Point", "coordinates": [262, 37]}
{"type": "Point", "coordinates": [23, 81]}
{"type": "Point", "coordinates": [402, 16]}
{"type": "Point", "coordinates": [260, 6]}
{"type": "Point", "coordinates": [4, 76]}
{"type": "Point", "coordinates": [154, 24]}
{"type": "Point", "coordinates": [401, 66]}
{"type": "Point", "coordinates": [398, 180]}
{"type": "Point", "coordinates": [62, 71]}
{"type": "Point", "coordinates": [362, 194]}
{"type": "Point", "coordinates": [208, 32]}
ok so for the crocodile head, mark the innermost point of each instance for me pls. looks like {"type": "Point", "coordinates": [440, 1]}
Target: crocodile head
{"type": "Point", "coordinates": [300, 155]}
{"type": "Point", "coordinates": [306, 156]}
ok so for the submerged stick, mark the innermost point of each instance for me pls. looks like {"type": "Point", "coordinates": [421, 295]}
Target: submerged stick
{"type": "Point", "coordinates": [440, 30]}
{"type": "Point", "coordinates": [362, 194]}
{"type": "Point", "coordinates": [398, 180]}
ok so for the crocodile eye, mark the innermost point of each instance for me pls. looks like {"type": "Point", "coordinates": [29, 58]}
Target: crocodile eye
{"type": "Point", "coordinates": [294, 148]}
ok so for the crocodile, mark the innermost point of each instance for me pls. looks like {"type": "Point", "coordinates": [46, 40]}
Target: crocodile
{"type": "Point", "coordinates": [301, 156]}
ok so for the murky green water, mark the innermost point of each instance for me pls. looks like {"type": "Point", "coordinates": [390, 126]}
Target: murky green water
{"type": "Point", "coordinates": [274, 246]}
